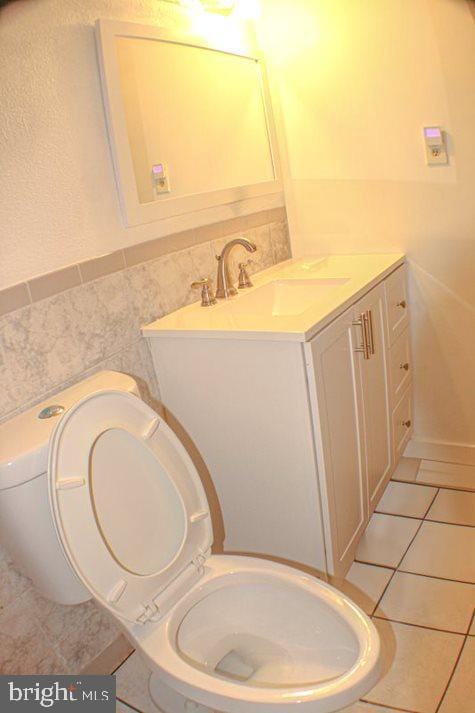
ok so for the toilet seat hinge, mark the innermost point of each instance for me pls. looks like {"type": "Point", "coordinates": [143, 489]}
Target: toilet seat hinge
{"type": "Point", "coordinates": [150, 613]}
{"type": "Point", "coordinates": [199, 562]}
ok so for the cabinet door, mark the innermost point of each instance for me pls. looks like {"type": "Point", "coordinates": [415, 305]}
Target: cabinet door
{"type": "Point", "coordinates": [375, 395]}
{"type": "Point", "coordinates": [335, 390]}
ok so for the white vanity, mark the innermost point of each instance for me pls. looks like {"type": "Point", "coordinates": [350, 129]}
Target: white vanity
{"type": "Point", "coordinates": [297, 393]}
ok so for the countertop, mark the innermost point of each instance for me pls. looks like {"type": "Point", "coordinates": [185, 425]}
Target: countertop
{"type": "Point", "coordinates": [301, 297]}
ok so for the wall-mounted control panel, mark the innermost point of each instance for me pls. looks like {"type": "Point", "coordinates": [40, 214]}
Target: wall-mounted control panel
{"type": "Point", "coordinates": [436, 150]}
{"type": "Point", "coordinates": [160, 177]}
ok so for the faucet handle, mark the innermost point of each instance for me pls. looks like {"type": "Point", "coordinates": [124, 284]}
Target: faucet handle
{"type": "Point", "coordinates": [207, 297]}
{"type": "Point", "coordinates": [244, 279]}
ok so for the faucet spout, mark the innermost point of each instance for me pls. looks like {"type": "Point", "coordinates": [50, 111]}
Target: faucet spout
{"type": "Point", "coordinates": [225, 288]}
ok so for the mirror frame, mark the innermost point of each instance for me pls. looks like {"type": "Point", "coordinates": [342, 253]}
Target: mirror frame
{"type": "Point", "coordinates": [239, 200]}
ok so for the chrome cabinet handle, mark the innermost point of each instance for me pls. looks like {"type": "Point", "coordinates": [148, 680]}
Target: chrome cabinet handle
{"type": "Point", "coordinates": [402, 304]}
{"type": "Point", "coordinates": [369, 323]}
{"type": "Point", "coordinates": [365, 347]}
{"type": "Point", "coordinates": [404, 366]}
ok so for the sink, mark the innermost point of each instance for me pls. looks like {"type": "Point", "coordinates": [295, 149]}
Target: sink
{"type": "Point", "coordinates": [284, 298]}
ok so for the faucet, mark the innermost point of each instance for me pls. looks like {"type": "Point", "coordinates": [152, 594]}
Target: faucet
{"type": "Point", "coordinates": [225, 287]}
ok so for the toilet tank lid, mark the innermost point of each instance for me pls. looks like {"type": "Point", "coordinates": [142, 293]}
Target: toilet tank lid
{"type": "Point", "coordinates": [24, 439]}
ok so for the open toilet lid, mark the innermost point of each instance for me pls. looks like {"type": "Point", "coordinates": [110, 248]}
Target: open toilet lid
{"type": "Point", "coordinates": [127, 501]}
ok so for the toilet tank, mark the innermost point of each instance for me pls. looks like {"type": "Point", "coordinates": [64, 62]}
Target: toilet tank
{"type": "Point", "coordinates": [27, 529]}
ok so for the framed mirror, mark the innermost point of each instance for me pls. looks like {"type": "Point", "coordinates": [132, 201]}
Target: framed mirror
{"type": "Point", "coordinates": [190, 121]}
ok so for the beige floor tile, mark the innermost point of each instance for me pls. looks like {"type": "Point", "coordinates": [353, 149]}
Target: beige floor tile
{"type": "Point", "coordinates": [386, 539]}
{"type": "Point", "coordinates": [132, 684]}
{"type": "Point", "coordinates": [446, 475]}
{"type": "Point", "coordinates": [426, 601]}
{"type": "Point", "coordinates": [460, 697]}
{"type": "Point", "coordinates": [364, 584]}
{"type": "Point", "coordinates": [406, 499]}
{"type": "Point", "coordinates": [446, 551]}
{"type": "Point", "coordinates": [417, 664]}
{"type": "Point", "coordinates": [455, 506]}
{"type": "Point", "coordinates": [407, 469]}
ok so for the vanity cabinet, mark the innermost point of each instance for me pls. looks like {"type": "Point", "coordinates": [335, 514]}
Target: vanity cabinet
{"type": "Point", "coordinates": [295, 438]}
{"type": "Point", "coordinates": [347, 366]}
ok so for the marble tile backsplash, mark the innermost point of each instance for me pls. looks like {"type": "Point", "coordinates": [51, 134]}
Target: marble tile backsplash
{"type": "Point", "coordinates": [55, 342]}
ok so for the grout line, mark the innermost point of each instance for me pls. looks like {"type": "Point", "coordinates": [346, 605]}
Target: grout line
{"type": "Point", "coordinates": [397, 567]}
{"type": "Point", "coordinates": [123, 662]}
{"type": "Point", "coordinates": [397, 514]}
{"type": "Point", "coordinates": [446, 462]}
{"type": "Point", "coordinates": [457, 661]}
{"type": "Point", "coordinates": [393, 514]}
{"type": "Point", "coordinates": [418, 626]}
{"type": "Point", "coordinates": [374, 564]}
{"type": "Point", "coordinates": [446, 522]}
{"type": "Point", "coordinates": [432, 485]}
{"type": "Point", "coordinates": [433, 576]}
{"type": "Point", "coordinates": [431, 503]}
{"type": "Point", "coordinates": [471, 622]}
{"type": "Point", "coordinates": [383, 592]}
{"type": "Point", "coordinates": [129, 705]}
{"type": "Point", "coordinates": [409, 545]}
{"type": "Point", "coordinates": [440, 579]}
{"type": "Point", "coordinates": [392, 708]}
{"type": "Point", "coordinates": [423, 519]}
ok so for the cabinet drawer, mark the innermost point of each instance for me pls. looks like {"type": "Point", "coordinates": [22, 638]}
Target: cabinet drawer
{"type": "Point", "coordinates": [396, 303]}
{"type": "Point", "coordinates": [400, 366]}
{"type": "Point", "coordinates": [402, 424]}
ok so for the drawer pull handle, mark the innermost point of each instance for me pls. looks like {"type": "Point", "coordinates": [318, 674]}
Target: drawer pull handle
{"type": "Point", "coordinates": [404, 366]}
{"type": "Point", "coordinates": [370, 337]}
{"type": "Point", "coordinates": [402, 304]}
{"type": "Point", "coordinates": [362, 322]}
{"type": "Point", "coordinates": [407, 423]}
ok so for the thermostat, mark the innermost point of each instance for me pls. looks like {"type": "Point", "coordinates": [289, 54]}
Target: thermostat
{"type": "Point", "coordinates": [160, 178]}
{"type": "Point", "coordinates": [436, 150]}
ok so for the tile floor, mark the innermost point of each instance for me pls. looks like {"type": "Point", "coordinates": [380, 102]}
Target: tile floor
{"type": "Point", "coordinates": [415, 575]}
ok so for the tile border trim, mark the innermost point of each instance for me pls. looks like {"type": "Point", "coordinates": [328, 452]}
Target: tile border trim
{"type": "Point", "coordinates": [40, 287]}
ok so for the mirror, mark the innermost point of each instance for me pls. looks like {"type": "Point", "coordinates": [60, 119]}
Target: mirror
{"type": "Point", "coordinates": [190, 122]}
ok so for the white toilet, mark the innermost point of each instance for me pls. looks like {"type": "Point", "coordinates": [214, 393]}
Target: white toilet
{"type": "Point", "coordinates": [219, 633]}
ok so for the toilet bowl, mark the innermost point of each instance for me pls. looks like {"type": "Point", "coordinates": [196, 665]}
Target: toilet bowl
{"type": "Point", "coordinates": [218, 632]}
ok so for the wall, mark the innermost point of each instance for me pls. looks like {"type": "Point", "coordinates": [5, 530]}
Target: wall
{"type": "Point", "coordinates": [357, 81]}
{"type": "Point", "coordinates": [59, 200]}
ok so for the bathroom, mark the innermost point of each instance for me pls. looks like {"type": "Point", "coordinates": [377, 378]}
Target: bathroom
{"type": "Point", "coordinates": [350, 182]}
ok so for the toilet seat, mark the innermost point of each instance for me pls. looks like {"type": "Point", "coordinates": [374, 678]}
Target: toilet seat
{"type": "Point", "coordinates": [113, 460]}
{"type": "Point", "coordinates": [163, 646]}
{"type": "Point", "coordinates": [133, 519]}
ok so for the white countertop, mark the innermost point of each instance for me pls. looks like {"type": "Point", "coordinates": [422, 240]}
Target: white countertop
{"type": "Point", "coordinates": [300, 297]}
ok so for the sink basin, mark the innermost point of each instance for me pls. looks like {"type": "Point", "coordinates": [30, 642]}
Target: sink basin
{"type": "Point", "coordinates": [284, 298]}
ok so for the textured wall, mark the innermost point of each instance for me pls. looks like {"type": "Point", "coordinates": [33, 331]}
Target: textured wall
{"type": "Point", "coordinates": [357, 82]}
{"type": "Point", "coordinates": [59, 202]}
{"type": "Point", "coordinates": [53, 343]}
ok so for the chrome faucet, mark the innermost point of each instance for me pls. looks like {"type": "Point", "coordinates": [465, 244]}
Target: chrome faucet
{"type": "Point", "coordinates": [225, 287]}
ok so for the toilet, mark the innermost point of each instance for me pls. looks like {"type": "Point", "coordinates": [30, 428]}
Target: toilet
{"type": "Point", "coordinates": [128, 523]}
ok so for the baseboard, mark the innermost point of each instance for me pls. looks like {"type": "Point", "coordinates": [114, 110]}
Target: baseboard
{"type": "Point", "coordinates": [460, 453]}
